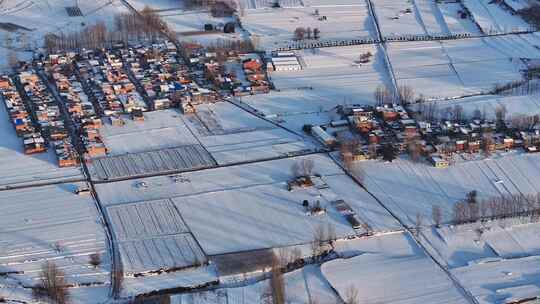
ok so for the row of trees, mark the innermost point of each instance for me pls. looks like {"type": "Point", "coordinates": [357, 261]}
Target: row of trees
{"type": "Point", "coordinates": [384, 95]}
{"type": "Point", "coordinates": [471, 209]}
{"type": "Point", "coordinates": [128, 26]}
{"type": "Point", "coordinates": [301, 33]}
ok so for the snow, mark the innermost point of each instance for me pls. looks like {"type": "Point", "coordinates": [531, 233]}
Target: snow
{"type": "Point", "coordinates": [427, 186]}
{"type": "Point", "coordinates": [498, 282]}
{"type": "Point", "coordinates": [255, 218]}
{"type": "Point", "coordinates": [152, 236]}
{"type": "Point", "coordinates": [518, 4]}
{"type": "Point", "coordinates": [391, 269]}
{"type": "Point", "coordinates": [301, 286]}
{"type": "Point", "coordinates": [454, 22]}
{"type": "Point", "coordinates": [185, 279]}
{"type": "Point", "coordinates": [61, 227]}
{"type": "Point", "coordinates": [462, 67]}
{"type": "Point", "coordinates": [250, 205]}
{"type": "Point", "coordinates": [335, 74]}
{"type": "Point", "coordinates": [395, 21]}
{"type": "Point", "coordinates": [42, 17]}
{"type": "Point", "coordinates": [160, 129]}
{"type": "Point", "coordinates": [275, 27]}
{"type": "Point", "coordinates": [515, 105]}
{"type": "Point", "coordinates": [232, 135]}
{"type": "Point", "coordinates": [493, 18]}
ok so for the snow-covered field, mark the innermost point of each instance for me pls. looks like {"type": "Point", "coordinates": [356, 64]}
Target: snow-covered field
{"type": "Point", "coordinates": [461, 67]}
{"type": "Point", "coordinates": [390, 269]}
{"type": "Point", "coordinates": [152, 236]}
{"type": "Point", "coordinates": [335, 73]}
{"type": "Point", "coordinates": [488, 104]}
{"type": "Point", "coordinates": [275, 27]}
{"type": "Point", "coordinates": [493, 18]}
{"type": "Point", "coordinates": [398, 18]}
{"type": "Point", "coordinates": [426, 186]}
{"type": "Point", "coordinates": [160, 129]}
{"type": "Point", "coordinates": [250, 205]}
{"type": "Point", "coordinates": [457, 25]}
{"type": "Point", "coordinates": [60, 226]}
{"type": "Point", "coordinates": [232, 135]}
{"type": "Point", "coordinates": [303, 285]}
{"type": "Point", "coordinates": [497, 261]}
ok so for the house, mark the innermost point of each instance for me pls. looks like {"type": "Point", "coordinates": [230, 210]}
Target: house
{"type": "Point", "coordinates": [137, 115]}
{"type": "Point", "coordinates": [323, 136]}
{"type": "Point", "coordinates": [438, 162]}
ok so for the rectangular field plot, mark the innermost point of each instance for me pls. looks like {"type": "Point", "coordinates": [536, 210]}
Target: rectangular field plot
{"type": "Point", "coordinates": [455, 24]}
{"type": "Point", "coordinates": [183, 158]}
{"type": "Point", "coordinates": [426, 186]}
{"type": "Point", "coordinates": [255, 218]}
{"type": "Point", "coordinates": [398, 18]}
{"type": "Point", "coordinates": [333, 74]}
{"type": "Point", "coordinates": [453, 68]}
{"type": "Point", "coordinates": [52, 223]}
{"type": "Point", "coordinates": [152, 236]}
{"type": "Point", "coordinates": [396, 258]}
{"type": "Point", "coordinates": [160, 129]}
{"type": "Point", "coordinates": [488, 104]}
{"type": "Point", "coordinates": [146, 219]}
{"type": "Point", "coordinates": [493, 18]}
{"type": "Point", "coordinates": [275, 27]}
{"type": "Point", "coordinates": [232, 135]}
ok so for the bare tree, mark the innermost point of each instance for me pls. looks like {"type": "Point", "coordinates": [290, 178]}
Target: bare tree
{"type": "Point", "coordinates": [406, 94]}
{"type": "Point", "coordinates": [500, 113]}
{"type": "Point", "coordinates": [436, 214]}
{"type": "Point", "coordinates": [95, 259]}
{"type": "Point", "coordinates": [352, 295]}
{"type": "Point", "coordinates": [415, 150]}
{"type": "Point", "coordinates": [458, 113]}
{"type": "Point", "coordinates": [418, 224]}
{"type": "Point", "coordinates": [299, 33]}
{"type": "Point", "coordinates": [487, 143]}
{"type": "Point", "coordinates": [302, 168]}
{"type": "Point", "coordinates": [319, 236]}
{"type": "Point", "coordinates": [52, 284]}
{"type": "Point", "coordinates": [277, 282]}
{"type": "Point", "coordinates": [316, 33]}
{"type": "Point", "coordinates": [382, 95]}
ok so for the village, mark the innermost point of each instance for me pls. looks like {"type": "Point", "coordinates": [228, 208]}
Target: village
{"type": "Point", "coordinates": [384, 132]}
{"type": "Point", "coordinates": [108, 86]}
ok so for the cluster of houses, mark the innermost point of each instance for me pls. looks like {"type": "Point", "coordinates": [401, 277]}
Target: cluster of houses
{"type": "Point", "coordinates": [166, 79]}
{"type": "Point", "coordinates": [390, 125]}
{"type": "Point", "coordinates": [79, 106]}
{"type": "Point", "coordinates": [254, 74]}
{"type": "Point", "coordinates": [20, 117]}
{"type": "Point", "coordinates": [445, 138]}
{"type": "Point", "coordinates": [37, 117]}
{"type": "Point", "coordinates": [231, 72]}
{"type": "Point", "coordinates": [109, 82]}
{"type": "Point", "coordinates": [49, 118]}
{"type": "Point", "coordinates": [159, 71]}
